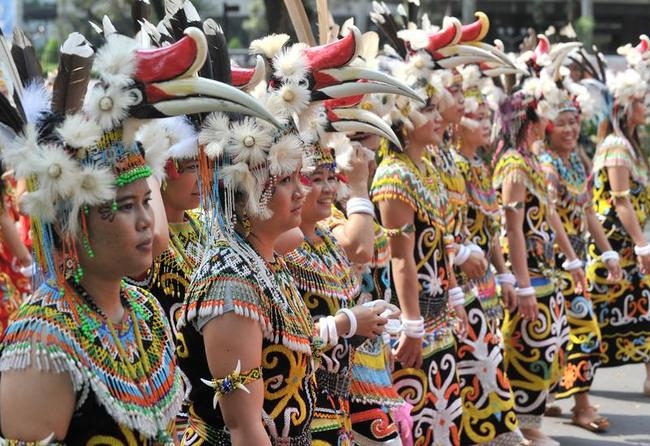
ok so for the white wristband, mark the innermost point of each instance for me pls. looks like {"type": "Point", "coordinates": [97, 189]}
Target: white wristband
{"type": "Point", "coordinates": [28, 271]}
{"type": "Point", "coordinates": [413, 328]}
{"type": "Point", "coordinates": [508, 278]}
{"type": "Point", "coordinates": [358, 205]}
{"type": "Point", "coordinates": [456, 296]}
{"type": "Point", "coordinates": [353, 322]}
{"type": "Point", "coordinates": [609, 255]}
{"type": "Point", "coordinates": [473, 247]}
{"type": "Point", "coordinates": [570, 265]}
{"type": "Point", "coordinates": [328, 330]}
{"type": "Point", "coordinates": [462, 255]}
{"type": "Point", "coordinates": [642, 250]}
{"type": "Point", "coordinates": [524, 292]}
{"type": "Point", "coordinates": [331, 329]}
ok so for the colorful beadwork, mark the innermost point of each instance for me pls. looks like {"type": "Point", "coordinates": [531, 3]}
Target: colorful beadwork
{"type": "Point", "coordinates": [130, 372]}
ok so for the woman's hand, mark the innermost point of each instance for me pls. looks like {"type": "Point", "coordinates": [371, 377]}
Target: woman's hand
{"type": "Point", "coordinates": [370, 322]}
{"type": "Point", "coordinates": [475, 266]}
{"type": "Point", "coordinates": [644, 264]}
{"type": "Point", "coordinates": [509, 296]}
{"type": "Point", "coordinates": [462, 323]}
{"type": "Point", "coordinates": [528, 307]}
{"type": "Point", "coordinates": [579, 280]}
{"type": "Point", "coordinates": [409, 352]}
{"type": "Point", "coordinates": [615, 273]}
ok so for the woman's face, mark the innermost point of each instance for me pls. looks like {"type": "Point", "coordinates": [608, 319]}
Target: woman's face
{"type": "Point", "coordinates": [565, 132]}
{"type": "Point", "coordinates": [456, 109]}
{"type": "Point", "coordinates": [434, 126]}
{"type": "Point", "coordinates": [121, 238]}
{"type": "Point", "coordinates": [285, 203]}
{"type": "Point", "coordinates": [637, 112]}
{"type": "Point", "coordinates": [477, 137]}
{"type": "Point", "coordinates": [181, 191]}
{"type": "Point", "coordinates": [318, 203]}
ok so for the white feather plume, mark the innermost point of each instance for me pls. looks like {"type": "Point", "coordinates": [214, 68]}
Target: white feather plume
{"type": "Point", "coordinates": [57, 172]}
{"type": "Point", "coordinates": [38, 204]}
{"type": "Point", "coordinates": [269, 46]}
{"type": "Point", "coordinates": [285, 155]}
{"type": "Point", "coordinates": [115, 61]}
{"type": "Point", "coordinates": [79, 131]}
{"type": "Point", "coordinates": [215, 134]}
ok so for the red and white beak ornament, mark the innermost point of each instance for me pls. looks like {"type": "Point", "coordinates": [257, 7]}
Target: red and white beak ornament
{"type": "Point", "coordinates": [167, 78]}
{"type": "Point", "coordinates": [331, 76]}
{"type": "Point", "coordinates": [344, 116]}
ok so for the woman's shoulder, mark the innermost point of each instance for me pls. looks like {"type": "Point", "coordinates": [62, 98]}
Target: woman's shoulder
{"type": "Point", "coordinates": [47, 333]}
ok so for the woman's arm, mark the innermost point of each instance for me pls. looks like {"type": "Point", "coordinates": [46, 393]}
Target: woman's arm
{"type": "Point", "coordinates": [514, 194]}
{"type": "Point", "coordinates": [35, 404]}
{"type": "Point", "coordinates": [12, 239]}
{"type": "Point", "coordinates": [507, 289]}
{"type": "Point", "coordinates": [619, 179]}
{"type": "Point", "coordinates": [231, 339]}
{"type": "Point", "coordinates": [564, 243]}
{"type": "Point", "coordinates": [598, 234]}
{"type": "Point", "coordinates": [357, 235]}
{"type": "Point", "coordinates": [161, 227]}
{"type": "Point", "coordinates": [396, 214]}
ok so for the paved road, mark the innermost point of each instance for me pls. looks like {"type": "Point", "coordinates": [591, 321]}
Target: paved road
{"type": "Point", "coordinates": [618, 393]}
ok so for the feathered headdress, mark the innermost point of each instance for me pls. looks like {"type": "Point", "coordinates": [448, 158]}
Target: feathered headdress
{"type": "Point", "coordinates": [79, 160]}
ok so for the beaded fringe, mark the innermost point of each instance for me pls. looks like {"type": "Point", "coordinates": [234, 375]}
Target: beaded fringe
{"type": "Point", "coordinates": [50, 357]}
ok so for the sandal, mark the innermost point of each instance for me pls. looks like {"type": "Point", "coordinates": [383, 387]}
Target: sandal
{"type": "Point", "coordinates": [553, 411]}
{"type": "Point", "coordinates": [597, 425]}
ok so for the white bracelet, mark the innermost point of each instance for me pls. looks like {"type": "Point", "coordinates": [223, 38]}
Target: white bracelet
{"type": "Point", "coordinates": [456, 296]}
{"type": "Point", "coordinates": [358, 205]}
{"type": "Point", "coordinates": [28, 271]}
{"type": "Point", "coordinates": [570, 265]}
{"type": "Point", "coordinates": [473, 247]}
{"type": "Point", "coordinates": [353, 322]}
{"type": "Point", "coordinates": [331, 330]}
{"type": "Point", "coordinates": [462, 255]}
{"type": "Point", "coordinates": [523, 292]}
{"type": "Point", "coordinates": [609, 255]}
{"type": "Point", "coordinates": [642, 250]}
{"type": "Point", "coordinates": [508, 278]}
{"type": "Point", "coordinates": [413, 328]}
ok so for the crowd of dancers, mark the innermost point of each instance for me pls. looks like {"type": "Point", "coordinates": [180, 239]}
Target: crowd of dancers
{"type": "Point", "coordinates": [420, 244]}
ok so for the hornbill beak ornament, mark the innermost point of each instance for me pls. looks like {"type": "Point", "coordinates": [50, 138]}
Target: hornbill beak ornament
{"type": "Point", "coordinates": [167, 79]}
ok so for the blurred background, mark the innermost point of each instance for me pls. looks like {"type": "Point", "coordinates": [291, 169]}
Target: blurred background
{"type": "Point", "coordinates": [606, 23]}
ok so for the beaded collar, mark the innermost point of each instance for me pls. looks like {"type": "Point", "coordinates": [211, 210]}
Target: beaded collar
{"type": "Point", "coordinates": [321, 267]}
{"type": "Point", "coordinates": [132, 373]}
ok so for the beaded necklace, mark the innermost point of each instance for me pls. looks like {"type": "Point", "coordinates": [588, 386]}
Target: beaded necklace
{"type": "Point", "coordinates": [139, 371]}
{"type": "Point", "coordinates": [320, 267]}
{"type": "Point", "coordinates": [574, 176]}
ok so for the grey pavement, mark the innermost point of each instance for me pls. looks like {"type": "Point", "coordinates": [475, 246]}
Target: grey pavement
{"type": "Point", "coordinates": [617, 391]}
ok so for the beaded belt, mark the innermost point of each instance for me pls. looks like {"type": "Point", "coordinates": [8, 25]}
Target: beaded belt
{"type": "Point", "coordinates": [334, 384]}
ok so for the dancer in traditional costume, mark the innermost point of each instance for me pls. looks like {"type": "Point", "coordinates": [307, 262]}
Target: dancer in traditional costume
{"type": "Point", "coordinates": [257, 333]}
{"type": "Point", "coordinates": [622, 201]}
{"type": "Point", "coordinates": [568, 185]}
{"type": "Point", "coordinates": [488, 402]}
{"type": "Point", "coordinates": [89, 358]}
{"type": "Point", "coordinates": [535, 335]}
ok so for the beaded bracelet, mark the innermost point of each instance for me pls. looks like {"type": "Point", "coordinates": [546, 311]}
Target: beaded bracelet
{"type": "Point", "coordinates": [359, 205]}
{"type": "Point", "coordinates": [462, 255]}
{"type": "Point", "coordinates": [508, 278]}
{"type": "Point", "coordinates": [524, 292]}
{"type": "Point", "coordinates": [609, 255]}
{"type": "Point", "coordinates": [236, 380]}
{"type": "Point", "coordinates": [456, 296]}
{"type": "Point", "coordinates": [353, 322]}
{"type": "Point", "coordinates": [642, 250]}
{"type": "Point", "coordinates": [413, 328]}
{"type": "Point", "coordinates": [570, 265]}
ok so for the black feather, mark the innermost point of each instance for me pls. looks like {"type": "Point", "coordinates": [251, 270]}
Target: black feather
{"type": "Point", "coordinates": [218, 51]}
{"type": "Point", "coordinates": [24, 56]}
{"type": "Point", "coordinates": [140, 9]}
